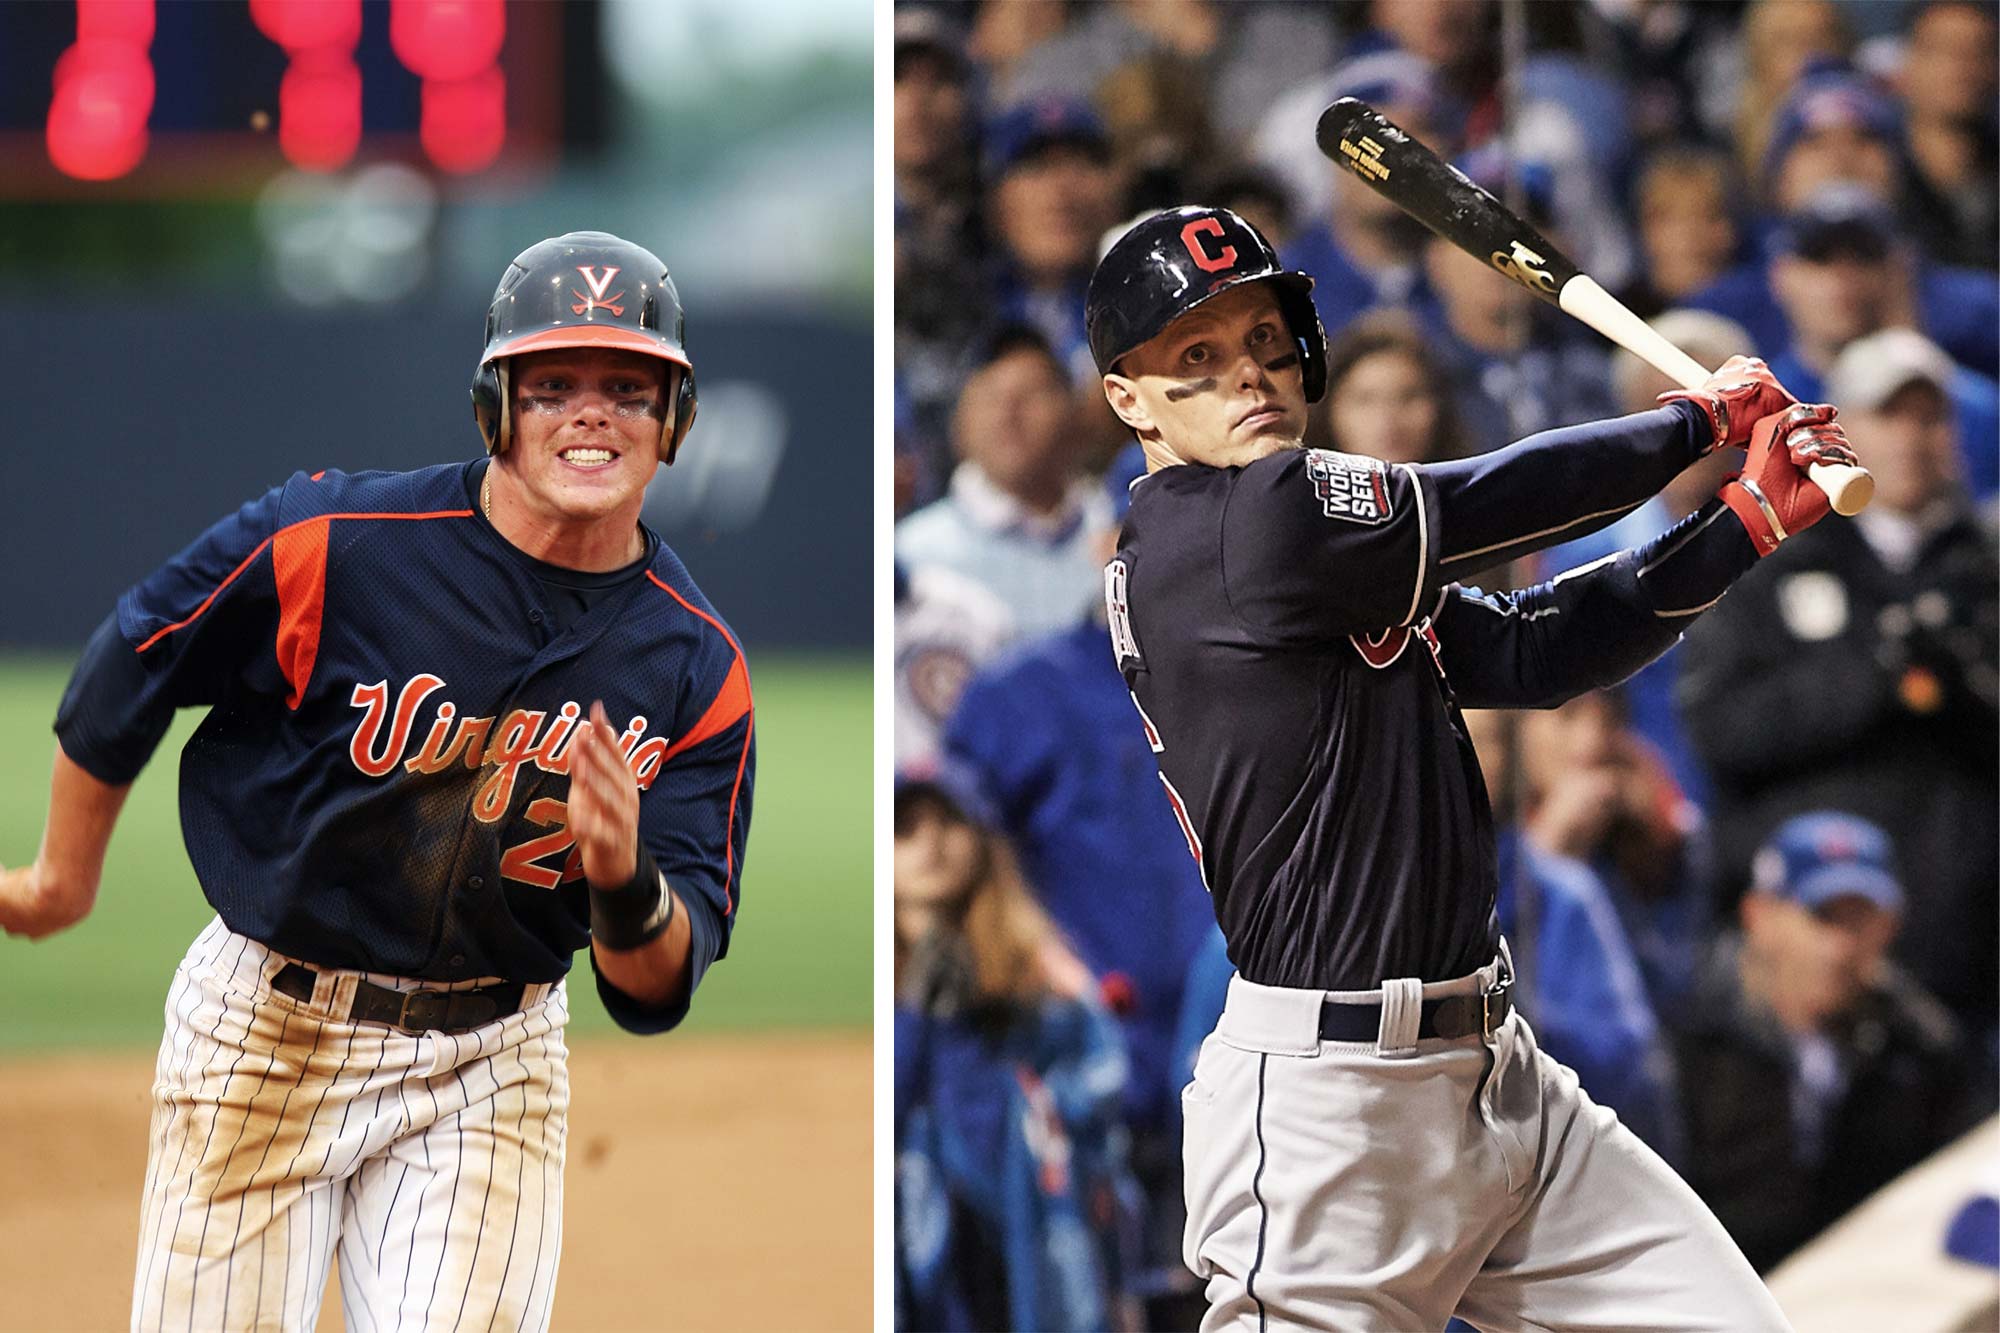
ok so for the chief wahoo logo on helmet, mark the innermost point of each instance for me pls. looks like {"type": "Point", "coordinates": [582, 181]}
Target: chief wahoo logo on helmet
{"type": "Point", "coordinates": [1169, 263]}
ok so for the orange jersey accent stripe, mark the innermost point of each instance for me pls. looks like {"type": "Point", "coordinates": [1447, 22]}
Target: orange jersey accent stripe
{"type": "Point", "coordinates": [196, 614]}
{"type": "Point", "coordinates": [731, 702]}
{"type": "Point", "coordinates": [298, 560]}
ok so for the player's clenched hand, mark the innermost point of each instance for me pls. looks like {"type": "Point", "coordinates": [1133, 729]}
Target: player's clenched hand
{"type": "Point", "coordinates": [33, 905]}
{"type": "Point", "coordinates": [603, 803]}
{"type": "Point", "coordinates": [1736, 398]}
{"type": "Point", "coordinates": [1774, 497]}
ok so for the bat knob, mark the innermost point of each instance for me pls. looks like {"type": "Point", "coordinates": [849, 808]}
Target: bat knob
{"type": "Point", "coordinates": [1848, 489]}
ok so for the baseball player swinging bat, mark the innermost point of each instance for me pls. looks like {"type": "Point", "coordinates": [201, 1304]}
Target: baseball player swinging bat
{"type": "Point", "coordinates": [1436, 194]}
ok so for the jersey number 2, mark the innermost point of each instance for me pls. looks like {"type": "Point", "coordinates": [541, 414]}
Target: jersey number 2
{"type": "Point", "coordinates": [523, 860]}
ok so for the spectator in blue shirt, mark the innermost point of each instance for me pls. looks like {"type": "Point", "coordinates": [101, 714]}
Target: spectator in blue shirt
{"type": "Point", "coordinates": [1838, 175]}
{"type": "Point", "coordinates": [1361, 249]}
{"type": "Point", "coordinates": [1010, 1178]}
{"type": "Point", "coordinates": [1049, 737]}
{"type": "Point", "coordinates": [1053, 193]}
{"type": "Point", "coordinates": [1518, 366]}
{"type": "Point", "coordinates": [1018, 516]}
{"type": "Point", "coordinates": [1584, 985]}
{"type": "Point", "coordinates": [1838, 277]}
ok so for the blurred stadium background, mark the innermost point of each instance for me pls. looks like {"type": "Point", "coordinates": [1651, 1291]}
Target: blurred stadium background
{"type": "Point", "coordinates": [1809, 181]}
{"type": "Point", "coordinates": [242, 239]}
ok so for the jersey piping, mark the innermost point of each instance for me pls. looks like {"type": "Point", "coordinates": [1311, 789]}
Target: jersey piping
{"type": "Point", "coordinates": [731, 702]}
{"type": "Point", "coordinates": [299, 565]}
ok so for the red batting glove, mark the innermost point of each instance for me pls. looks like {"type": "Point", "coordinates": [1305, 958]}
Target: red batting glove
{"type": "Point", "coordinates": [1735, 398]}
{"type": "Point", "coordinates": [1773, 495]}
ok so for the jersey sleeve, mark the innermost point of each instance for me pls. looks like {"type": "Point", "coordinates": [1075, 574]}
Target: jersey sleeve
{"type": "Point", "coordinates": [695, 821]}
{"type": "Point", "coordinates": [1590, 627]}
{"type": "Point", "coordinates": [1317, 545]}
{"type": "Point", "coordinates": [184, 635]}
{"type": "Point", "coordinates": [1558, 485]}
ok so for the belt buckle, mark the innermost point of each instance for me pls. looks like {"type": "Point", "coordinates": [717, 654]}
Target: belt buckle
{"type": "Point", "coordinates": [1487, 997]}
{"type": "Point", "coordinates": [423, 1010]}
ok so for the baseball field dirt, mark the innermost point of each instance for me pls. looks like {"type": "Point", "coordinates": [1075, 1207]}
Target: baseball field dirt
{"type": "Point", "coordinates": [713, 1182]}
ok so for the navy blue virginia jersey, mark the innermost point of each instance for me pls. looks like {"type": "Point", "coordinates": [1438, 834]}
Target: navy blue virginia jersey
{"type": "Point", "coordinates": [1298, 653]}
{"type": "Point", "coordinates": [381, 780]}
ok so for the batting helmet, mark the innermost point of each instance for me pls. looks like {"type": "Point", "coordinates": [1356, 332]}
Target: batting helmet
{"type": "Point", "coordinates": [582, 289]}
{"type": "Point", "coordinates": [1170, 263]}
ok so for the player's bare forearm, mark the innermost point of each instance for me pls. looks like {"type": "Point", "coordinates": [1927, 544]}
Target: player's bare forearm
{"type": "Point", "coordinates": [656, 973]}
{"type": "Point", "coordinates": [58, 888]}
{"type": "Point", "coordinates": [1561, 484]}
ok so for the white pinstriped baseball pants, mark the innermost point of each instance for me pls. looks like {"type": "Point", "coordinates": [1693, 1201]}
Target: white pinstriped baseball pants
{"type": "Point", "coordinates": [433, 1163]}
{"type": "Point", "coordinates": [1385, 1185]}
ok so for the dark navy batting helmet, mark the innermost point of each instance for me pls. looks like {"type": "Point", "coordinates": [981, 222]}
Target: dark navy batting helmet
{"type": "Point", "coordinates": [582, 289]}
{"type": "Point", "coordinates": [1172, 262]}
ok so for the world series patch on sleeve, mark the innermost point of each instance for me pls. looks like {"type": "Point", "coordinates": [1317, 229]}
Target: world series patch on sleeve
{"type": "Point", "coordinates": [1349, 486]}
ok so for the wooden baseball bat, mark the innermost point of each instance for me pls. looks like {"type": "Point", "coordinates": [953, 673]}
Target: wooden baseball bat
{"type": "Point", "coordinates": [1435, 193]}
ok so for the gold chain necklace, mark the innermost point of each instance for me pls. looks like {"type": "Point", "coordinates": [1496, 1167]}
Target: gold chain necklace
{"type": "Point", "coordinates": [486, 495]}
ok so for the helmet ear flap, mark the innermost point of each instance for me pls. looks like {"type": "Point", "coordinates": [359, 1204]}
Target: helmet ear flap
{"type": "Point", "coordinates": [489, 405]}
{"type": "Point", "coordinates": [1303, 316]}
{"type": "Point", "coordinates": [684, 410]}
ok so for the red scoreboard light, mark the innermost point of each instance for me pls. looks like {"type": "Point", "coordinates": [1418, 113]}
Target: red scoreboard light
{"type": "Point", "coordinates": [319, 101]}
{"type": "Point", "coordinates": [311, 26]}
{"type": "Point", "coordinates": [319, 110]}
{"type": "Point", "coordinates": [96, 129]}
{"type": "Point", "coordinates": [453, 45]}
{"type": "Point", "coordinates": [465, 121]}
{"type": "Point", "coordinates": [115, 21]}
{"type": "Point", "coordinates": [462, 86]}
{"type": "Point", "coordinates": [447, 39]}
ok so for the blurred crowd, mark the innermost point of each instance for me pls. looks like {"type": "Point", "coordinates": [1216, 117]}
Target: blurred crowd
{"type": "Point", "coordinates": [1753, 892]}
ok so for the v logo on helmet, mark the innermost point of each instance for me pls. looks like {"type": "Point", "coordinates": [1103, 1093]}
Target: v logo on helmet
{"type": "Point", "coordinates": [598, 286]}
{"type": "Point", "coordinates": [1206, 262]}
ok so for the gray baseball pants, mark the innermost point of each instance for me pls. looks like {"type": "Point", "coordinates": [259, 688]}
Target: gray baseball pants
{"type": "Point", "coordinates": [1388, 1185]}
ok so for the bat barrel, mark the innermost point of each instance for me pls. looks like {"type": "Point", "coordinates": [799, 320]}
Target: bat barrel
{"type": "Point", "coordinates": [1394, 165]}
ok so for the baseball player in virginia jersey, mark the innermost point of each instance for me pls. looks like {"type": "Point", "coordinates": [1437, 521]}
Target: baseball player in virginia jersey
{"type": "Point", "coordinates": [1372, 1138]}
{"type": "Point", "coordinates": [463, 722]}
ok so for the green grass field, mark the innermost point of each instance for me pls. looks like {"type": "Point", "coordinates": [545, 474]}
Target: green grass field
{"type": "Point", "coordinates": [799, 958]}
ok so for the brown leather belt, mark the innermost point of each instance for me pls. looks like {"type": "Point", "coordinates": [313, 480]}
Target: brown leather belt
{"type": "Point", "coordinates": [415, 1011]}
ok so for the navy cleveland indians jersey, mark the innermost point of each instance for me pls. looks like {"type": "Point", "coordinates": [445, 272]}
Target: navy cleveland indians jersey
{"type": "Point", "coordinates": [380, 782]}
{"type": "Point", "coordinates": [1298, 653]}
{"type": "Point", "coordinates": [1315, 761]}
